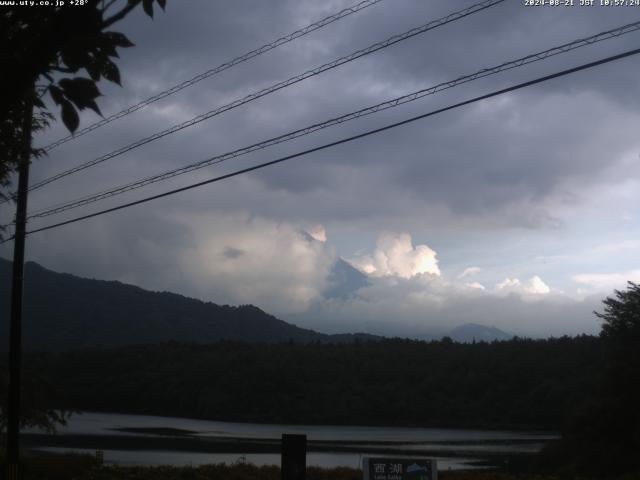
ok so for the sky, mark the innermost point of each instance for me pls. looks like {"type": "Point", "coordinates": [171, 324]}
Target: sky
{"type": "Point", "coordinates": [521, 211]}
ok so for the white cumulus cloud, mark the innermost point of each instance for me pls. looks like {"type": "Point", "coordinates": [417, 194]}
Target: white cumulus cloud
{"type": "Point", "coordinates": [534, 286]}
{"type": "Point", "coordinates": [395, 255]}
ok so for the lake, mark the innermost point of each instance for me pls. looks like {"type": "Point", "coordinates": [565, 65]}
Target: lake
{"type": "Point", "coordinates": [150, 440]}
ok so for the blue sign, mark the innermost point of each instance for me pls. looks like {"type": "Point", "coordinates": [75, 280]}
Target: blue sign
{"type": "Point", "coordinates": [378, 468]}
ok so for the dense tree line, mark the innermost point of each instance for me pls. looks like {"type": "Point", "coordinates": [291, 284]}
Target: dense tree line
{"type": "Point", "coordinates": [603, 436]}
{"type": "Point", "coordinates": [513, 384]}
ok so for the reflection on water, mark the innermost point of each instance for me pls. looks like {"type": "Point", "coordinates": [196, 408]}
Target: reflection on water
{"type": "Point", "coordinates": [453, 448]}
{"type": "Point", "coordinates": [104, 423]}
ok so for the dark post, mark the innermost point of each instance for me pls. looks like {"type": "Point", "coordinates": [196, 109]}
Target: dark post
{"type": "Point", "coordinates": [294, 457]}
{"type": "Point", "coordinates": [15, 333]}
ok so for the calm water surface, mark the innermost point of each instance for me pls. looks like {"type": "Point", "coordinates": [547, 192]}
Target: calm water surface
{"type": "Point", "coordinates": [454, 448]}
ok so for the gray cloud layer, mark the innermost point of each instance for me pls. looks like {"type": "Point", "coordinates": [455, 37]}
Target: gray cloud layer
{"type": "Point", "coordinates": [519, 168]}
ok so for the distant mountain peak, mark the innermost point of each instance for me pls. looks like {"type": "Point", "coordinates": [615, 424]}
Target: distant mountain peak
{"type": "Point", "coordinates": [470, 332]}
{"type": "Point", "coordinates": [344, 280]}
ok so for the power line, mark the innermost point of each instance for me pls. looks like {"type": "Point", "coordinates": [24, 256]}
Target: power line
{"type": "Point", "coordinates": [345, 140]}
{"type": "Point", "coordinates": [278, 86]}
{"type": "Point", "coordinates": [535, 57]}
{"type": "Point", "coordinates": [220, 68]}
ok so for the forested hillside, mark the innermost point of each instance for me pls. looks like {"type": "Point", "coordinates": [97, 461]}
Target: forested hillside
{"type": "Point", "coordinates": [64, 311]}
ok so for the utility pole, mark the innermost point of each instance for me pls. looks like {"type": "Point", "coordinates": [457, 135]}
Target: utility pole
{"type": "Point", "coordinates": [17, 282]}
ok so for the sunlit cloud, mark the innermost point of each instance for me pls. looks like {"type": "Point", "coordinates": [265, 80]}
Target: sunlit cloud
{"type": "Point", "coordinates": [535, 286]}
{"type": "Point", "coordinates": [475, 286]}
{"type": "Point", "coordinates": [241, 260]}
{"type": "Point", "coordinates": [395, 255]}
{"type": "Point", "coordinates": [318, 232]}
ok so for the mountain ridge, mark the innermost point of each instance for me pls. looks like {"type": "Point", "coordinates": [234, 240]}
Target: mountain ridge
{"type": "Point", "coordinates": [474, 332]}
{"type": "Point", "coordinates": [109, 313]}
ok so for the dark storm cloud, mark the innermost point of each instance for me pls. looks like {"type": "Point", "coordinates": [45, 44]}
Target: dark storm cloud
{"type": "Point", "coordinates": [471, 161]}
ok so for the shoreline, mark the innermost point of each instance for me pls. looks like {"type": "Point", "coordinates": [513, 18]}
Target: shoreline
{"type": "Point", "coordinates": [234, 445]}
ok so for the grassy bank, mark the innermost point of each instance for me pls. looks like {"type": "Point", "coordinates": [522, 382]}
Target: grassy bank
{"type": "Point", "coordinates": [83, 467]}
{"type": "Point", "coordinates": [72, 467]}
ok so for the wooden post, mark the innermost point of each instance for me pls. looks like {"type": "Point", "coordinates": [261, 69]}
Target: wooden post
{"type": "Point", "coordinates": [294, 457]}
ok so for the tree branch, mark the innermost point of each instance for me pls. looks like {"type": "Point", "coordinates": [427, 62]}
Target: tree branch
{"type": "Point", "coordinates": [44, 89]}
{"type": "Point", "coordinates": [120, 15]}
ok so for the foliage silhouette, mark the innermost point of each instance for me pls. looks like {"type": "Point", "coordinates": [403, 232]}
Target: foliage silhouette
{"type": "Point", "coordinates": [53, 45]}
{"type": "Point", "coordinates": [603, 437]}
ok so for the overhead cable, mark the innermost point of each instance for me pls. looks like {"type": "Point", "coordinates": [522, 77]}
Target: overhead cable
{"type": "Point", "coordinates": [278, 86]}
{"type": "Point", "coordinates": [220, 68]}
{"type": "Point", "coordinates": [344, 140]}
{"type": "Point", "coordinates": [535, 57]}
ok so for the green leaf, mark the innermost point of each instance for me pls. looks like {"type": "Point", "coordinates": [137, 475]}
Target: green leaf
{"type": "Point", "coordinates": [69, 116]}
{"type": "Point", "coordinates": [162, 3]}
{"type": "Point", "coordinates": [147, 5]}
